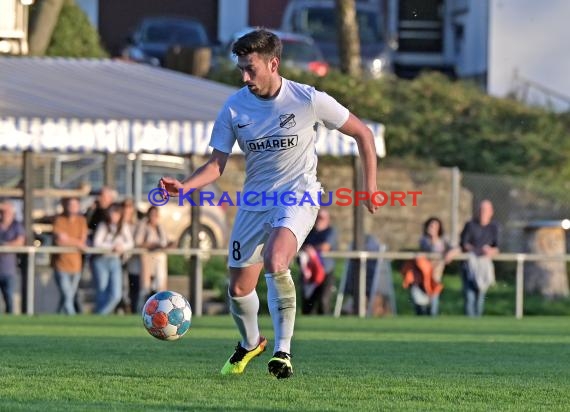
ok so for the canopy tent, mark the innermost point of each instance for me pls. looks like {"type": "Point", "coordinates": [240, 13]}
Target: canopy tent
{"type": "Point", "coordinates": [84, 105]}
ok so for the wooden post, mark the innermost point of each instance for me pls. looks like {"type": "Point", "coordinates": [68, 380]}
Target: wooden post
{"type": "Point", "coordinates": [358, 242]}
{"type": "Point", "coordinates": [519, 302]}
{"type": "Point", "coordinates": [195, 264]}
{"type": "Point", "coordinates": [109, 170]}
{"type": "Point", "coordinates": [28, 201]}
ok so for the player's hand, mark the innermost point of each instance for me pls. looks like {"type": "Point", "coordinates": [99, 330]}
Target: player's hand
{"type": "Point", "coordinates": [372, 203]}
{"type": "Point", "coordinates": [170, 185]}
{"type": "Point", "coordinates": [372, 208]}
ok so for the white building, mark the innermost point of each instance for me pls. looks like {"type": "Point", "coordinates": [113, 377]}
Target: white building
{"type": "Point", "coordinates": [14, 26]}
{"type": "Point", "coordinates": [513, 47]}
{"type": "Point", "coordinates": [528, 51]}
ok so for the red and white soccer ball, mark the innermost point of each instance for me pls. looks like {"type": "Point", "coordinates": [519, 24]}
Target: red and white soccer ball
{"type": "Point", "coordinates": [167, 315]}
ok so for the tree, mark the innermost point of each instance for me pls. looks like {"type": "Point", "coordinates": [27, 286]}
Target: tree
{"type": "Point", "coordinates": [43, 20]}
{"type": "Point", "coordinates": [61, 28]}
{"type": "Point", "coordinates": [74, 36]}
{"type": "Point", "coordinates": [349, 38]}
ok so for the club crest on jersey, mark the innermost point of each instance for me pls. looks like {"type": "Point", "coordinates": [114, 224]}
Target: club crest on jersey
{"type": "Point", "coordinates": [272, 143]}
{"type": "Point", "coordinates": [287, 121]}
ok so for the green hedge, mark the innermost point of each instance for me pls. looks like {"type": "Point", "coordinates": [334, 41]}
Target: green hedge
{"type": "Point", "coordinates": [454, 123]}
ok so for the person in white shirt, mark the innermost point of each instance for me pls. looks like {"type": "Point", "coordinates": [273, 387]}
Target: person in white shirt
{"type": "Point", "coordinates": [115, 236]}
{"type": "Point", "coordinates": [274, 121]}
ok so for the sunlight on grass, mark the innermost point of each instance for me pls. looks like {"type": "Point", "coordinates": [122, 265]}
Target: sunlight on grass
{"type": "Point", "coordinates": [403, 363]}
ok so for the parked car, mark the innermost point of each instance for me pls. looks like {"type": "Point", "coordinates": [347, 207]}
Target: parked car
{"type": "Point", "coordinates": [136, 176]}
{"type": "Point", "coordinates": [317, 18]}
{"type": "Point", "coordinates": [155, 36]}
{"type": "Point", "coordinates": [299, 52]}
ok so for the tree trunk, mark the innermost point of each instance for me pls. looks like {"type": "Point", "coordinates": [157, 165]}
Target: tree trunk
{"type": "Point", "coordinates": [349, 39]}
{"type": "Point", "coordinates": [42, 24]}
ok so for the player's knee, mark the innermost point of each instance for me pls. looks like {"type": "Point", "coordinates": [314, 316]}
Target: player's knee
{"type": "Point", "coordinates": [276, 261]}
{"type": "Point", "coordinates": [236, 290]}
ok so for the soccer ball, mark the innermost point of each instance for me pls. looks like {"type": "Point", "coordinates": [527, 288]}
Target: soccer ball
{"type": "Point", "coordinates": [167, 315]}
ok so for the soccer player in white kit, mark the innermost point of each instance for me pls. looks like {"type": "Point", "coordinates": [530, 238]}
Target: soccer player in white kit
{"type": "Point", "coordinates": [274, 121]}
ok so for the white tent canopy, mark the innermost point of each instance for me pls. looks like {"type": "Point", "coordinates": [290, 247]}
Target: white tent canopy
{"type": "Point", "coordinates": [83, 105]}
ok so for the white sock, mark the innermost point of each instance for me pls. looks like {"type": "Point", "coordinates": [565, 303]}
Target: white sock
{"type": "Point", "coordinates": [244, 311]}
{"type": "Point", "coordinates": [282, 303]}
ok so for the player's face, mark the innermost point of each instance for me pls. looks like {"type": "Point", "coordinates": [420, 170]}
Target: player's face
{"type": "Point", "coordinates": [257, 73]}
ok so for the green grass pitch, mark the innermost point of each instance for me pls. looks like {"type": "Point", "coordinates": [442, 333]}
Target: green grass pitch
{"type": "Point", "coordinates": [401, 363]}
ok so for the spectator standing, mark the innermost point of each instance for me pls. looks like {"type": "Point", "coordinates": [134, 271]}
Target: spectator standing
{"type": "Point", "coordinates": [97, 211]}
{"type": "Point", "coordinates": [433, 241]}
{"type": "Point", "coordinates": [11, 234]}
{"type": "Point", "coordinates": [117, 238]}
{"type": "Point", "coordinates": [129, 219]}
{"type": "Point", "coordinates": [22, 258]}
{"type": "Point", "coordinates": [95, 214]}
{"type": "Point", "coordinates": [322, 238]}
{"type": "Point", "coordinates": [479, 238]}
{"type": "Point", "coordinates": [69, 229]}
{"type": "Point", "coordinates": [148, 273]}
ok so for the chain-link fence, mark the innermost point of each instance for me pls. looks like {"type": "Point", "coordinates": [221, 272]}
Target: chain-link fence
{"type": "Point", "coordinates": [519, 206]}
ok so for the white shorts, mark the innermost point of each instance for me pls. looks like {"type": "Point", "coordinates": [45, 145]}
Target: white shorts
{"type": "Point", "coordinates": [251, 231]}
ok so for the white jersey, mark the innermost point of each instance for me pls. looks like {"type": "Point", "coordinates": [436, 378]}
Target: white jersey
{"type": "Point", "coordinates": [278, 139]}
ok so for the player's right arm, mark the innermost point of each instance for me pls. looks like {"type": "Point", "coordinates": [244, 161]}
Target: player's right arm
{"type": "Point", "coordinates": [204, 175]}
{"type": "Point", "coordinates": [222, 141]}
{"type": "Point", "coordinates": [335, 116]}
{"type": "Point", "coordinates": [355, 128]}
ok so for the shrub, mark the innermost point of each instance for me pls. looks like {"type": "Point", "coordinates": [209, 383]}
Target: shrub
{"type": "Point", "coordinates": [454, 123]}
{"type": "Point", "coordinates": [74, 36]}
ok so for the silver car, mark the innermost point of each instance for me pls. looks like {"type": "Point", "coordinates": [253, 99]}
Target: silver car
{"type": "Point", "coordinates": [135, 177]}
{"type": "Point", "coordinates": [299, 52]}
{"type": "Point", "coordinates": [317, 18]}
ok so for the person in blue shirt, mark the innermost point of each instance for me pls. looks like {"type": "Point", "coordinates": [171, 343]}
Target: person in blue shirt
{"type": "Point", "coordinates": [11, 234]}
{"type": "Point", "coordinates": [323, 238]}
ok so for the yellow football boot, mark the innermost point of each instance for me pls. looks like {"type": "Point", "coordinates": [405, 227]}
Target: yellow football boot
{"type": "Point", "coordinates": [238, 361]}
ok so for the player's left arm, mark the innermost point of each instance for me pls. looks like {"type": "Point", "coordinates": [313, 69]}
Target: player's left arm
{"type": "Point", "coordinates": [355, 128]}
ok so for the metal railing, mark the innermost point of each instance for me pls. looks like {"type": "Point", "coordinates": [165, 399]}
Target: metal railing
{"type": "Point", "coordinates": [362, 256]}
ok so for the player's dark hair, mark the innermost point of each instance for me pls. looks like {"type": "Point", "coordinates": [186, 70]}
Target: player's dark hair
{"type": "Point", "coordinates": [260, 41]}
